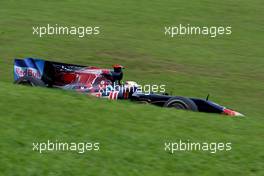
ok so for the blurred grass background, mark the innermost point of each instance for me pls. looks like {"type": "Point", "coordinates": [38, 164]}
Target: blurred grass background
{"type": "Point", "coordinates": [132, 136]}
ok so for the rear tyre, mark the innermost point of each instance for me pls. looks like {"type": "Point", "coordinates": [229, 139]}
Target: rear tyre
{"type": "Point", "coordinates": [30, 81]}
{"type": "Point", "coordinates": [181, 103]}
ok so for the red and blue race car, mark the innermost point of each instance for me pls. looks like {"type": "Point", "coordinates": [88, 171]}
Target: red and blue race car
{"type": "Point", "coordinates": [104, 83]}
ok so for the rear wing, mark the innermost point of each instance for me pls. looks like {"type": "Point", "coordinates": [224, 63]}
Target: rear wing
{"type": "Point", "coordinates": [28, 67]}
{"type": "Point", "coordinates": [41, 69]}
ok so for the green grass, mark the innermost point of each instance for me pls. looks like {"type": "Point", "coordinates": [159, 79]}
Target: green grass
{"type": "Point", "coordinates": [132, 136]}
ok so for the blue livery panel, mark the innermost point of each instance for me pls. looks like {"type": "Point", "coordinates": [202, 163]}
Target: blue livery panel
{"type": "Point", "coordinates": [28, 67]}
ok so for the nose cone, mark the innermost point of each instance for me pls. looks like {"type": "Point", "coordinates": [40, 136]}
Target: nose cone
{"type": "Point", "coordinates": [230, 112]}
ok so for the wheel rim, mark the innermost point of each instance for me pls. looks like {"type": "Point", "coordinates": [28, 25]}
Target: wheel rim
{"type": "Point", "coordinates": [178, 105]}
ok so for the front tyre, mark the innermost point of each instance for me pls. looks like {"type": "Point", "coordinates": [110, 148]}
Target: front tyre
{"type": "Point", "coordinates": [181, 103]}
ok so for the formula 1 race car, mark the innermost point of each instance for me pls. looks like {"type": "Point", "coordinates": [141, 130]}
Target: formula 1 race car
{"type": "Point", "coordinates": [105, 83]}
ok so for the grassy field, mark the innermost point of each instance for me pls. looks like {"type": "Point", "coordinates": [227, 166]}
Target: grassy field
{"type": "Point", "coordinates": [132, 136]}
